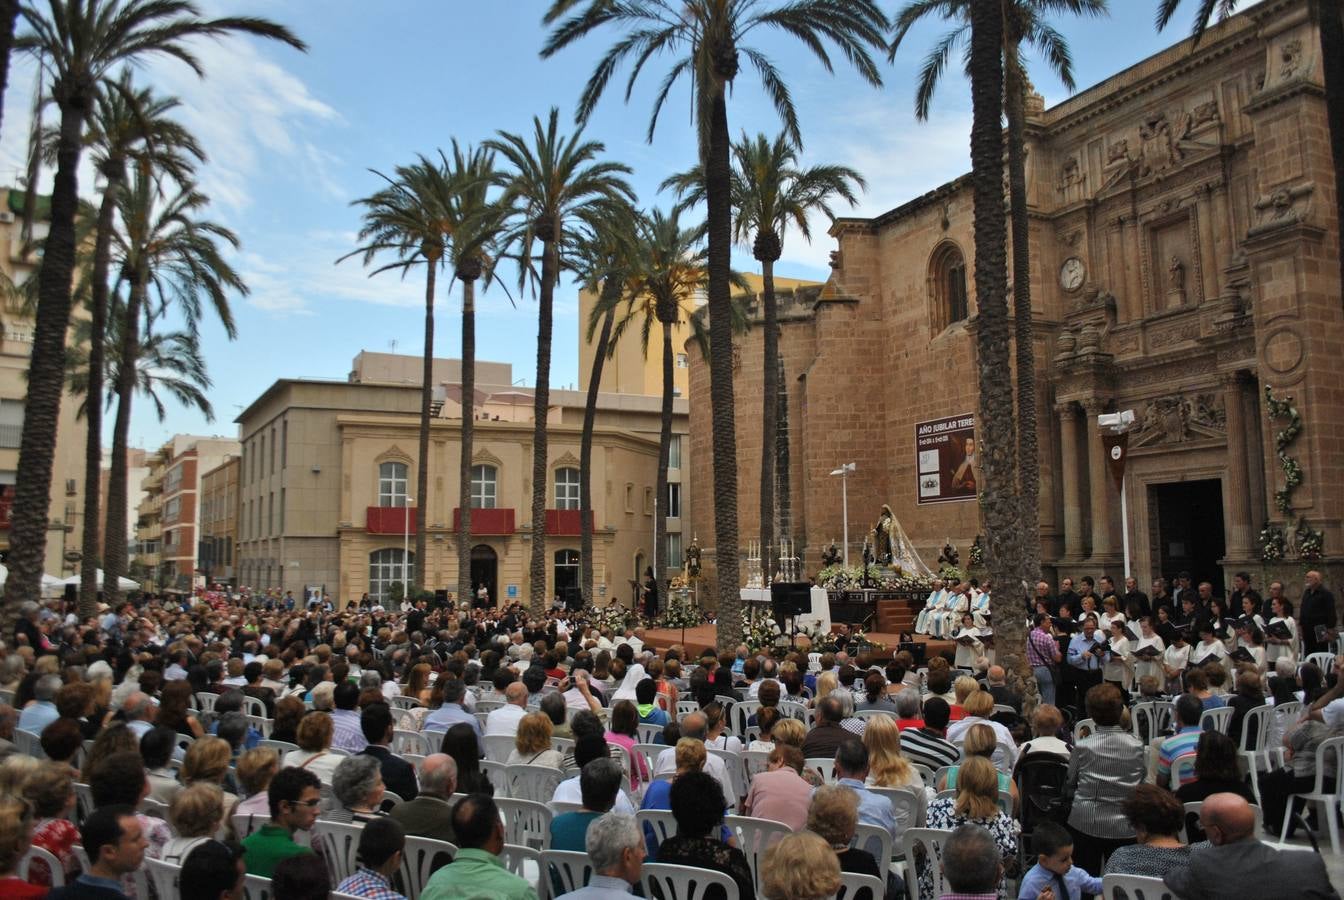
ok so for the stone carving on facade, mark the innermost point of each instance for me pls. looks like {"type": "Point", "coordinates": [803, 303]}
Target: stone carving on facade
{"type": "Point", "coordinates": [1125, 344]}
{"type": "Point", "coordinates": [1290, 55]}
{"type": "Point", "coordinates": [837, 260]}
{"type": "Point", "coordinates": [1281, 208]}
{"type": "Point", "coordinates": [1118, 153]}
{"type": "Point", "coordinates": [1179, 419]}
{"type": "Point", "coordinates": [1071, 180]}
{"type": "Point", "coordinates": [1176, 334]}
{"type": "Point", "coordinates": [1205, 112]}
{"type": "Point", "coordinates": [1158, 149]}
{"type": "Point", "coordinates": [1066, 346]}
{"type": "Point", "coordinates": [1176, 282]}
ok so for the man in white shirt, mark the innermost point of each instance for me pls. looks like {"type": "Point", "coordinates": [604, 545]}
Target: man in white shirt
{"type": "Point", "coordinates": [585, 751]}
{"type": "Point", "coordinates": [505, 720]}
{"type": "Point", "coordinates": [696, 726]}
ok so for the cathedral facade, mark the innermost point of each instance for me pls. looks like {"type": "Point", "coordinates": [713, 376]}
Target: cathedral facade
{"type": "Point", "coordinates": [1184, 259]}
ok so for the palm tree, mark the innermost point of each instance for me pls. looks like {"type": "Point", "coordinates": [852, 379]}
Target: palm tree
{"type": "Point", "coordinates": [708, 37]}
{"type": "Point", "coordinates": [408, 219]}
{"type": "Point", "coordinates": [601, 257]}
{"type": "Point", "coordinates": [169, 256]}
{"type": "Point", "coordinates": [998, 499]}
{"type": "Point", "coordinates": [472, 225]}
{"type": "Point", "coordinates": [1024, 24]}
{"type": "Point", "coordinates": [127, 122]}
{"type": "Point", "coordinates": [770, 194]}
{"type": "Point", "coordinates": [552, 179]}
{"type": "Point", "coordinates": [80, 42]}
{"type": "Point", "coordinates": [9, 18]}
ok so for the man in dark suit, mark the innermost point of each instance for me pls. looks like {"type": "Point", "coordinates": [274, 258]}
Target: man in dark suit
{"type": "Point", "coordinates": [429, 814]}
{"type": "Point", "coordinates": [1240, 865]}
{"type": "Point", "coordinates": [996, 681]}
{"type": "Point", "coordinates": [398, 775]}
{"type": "Point", "coordinates": [1317, 608]}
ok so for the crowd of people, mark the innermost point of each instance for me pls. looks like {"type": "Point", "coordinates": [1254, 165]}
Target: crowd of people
{"type": "Point", "coordinates": [221, 737]}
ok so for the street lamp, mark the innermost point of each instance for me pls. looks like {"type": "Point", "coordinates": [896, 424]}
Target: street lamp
{"type": "Point", "coordinates": [843, 472]}
{"type": "Point", "coordinates": [405, 549]}
{"type": "Point", "coordinates": [1115, 425]}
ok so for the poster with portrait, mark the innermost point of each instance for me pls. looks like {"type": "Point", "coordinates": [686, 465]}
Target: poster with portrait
{"type": "Point", "coordinates": [946, 464]}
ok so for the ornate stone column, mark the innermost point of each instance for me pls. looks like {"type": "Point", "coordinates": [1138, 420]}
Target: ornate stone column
{"type": "Point", "coordinates": [1239, 528]}
{"type": "Point", "coordinates": [1098, 480]}
{"type": "Point", "coordinates": [1073, 496]}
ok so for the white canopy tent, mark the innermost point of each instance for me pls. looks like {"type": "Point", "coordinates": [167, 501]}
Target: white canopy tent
{"type": "Point", "coordinates": [51, 585]}
{"type": "Point", "coordinates": [124, 584]}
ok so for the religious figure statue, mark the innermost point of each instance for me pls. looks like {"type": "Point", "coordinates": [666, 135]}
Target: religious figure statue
{"type": "Point", "coordinates": [831, 555]}
{"type": "Point", "coordinates": [693, 559]}
{"type": "Point", "coordinates": [883, 546]}
{"type": "Point", "coordinates": [1176, 275]}
{"type": "Point", "coordinates": [949, 556]}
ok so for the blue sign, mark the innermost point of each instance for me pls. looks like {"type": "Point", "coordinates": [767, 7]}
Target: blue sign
{"type": "Point", "coordinates": [513, 592]}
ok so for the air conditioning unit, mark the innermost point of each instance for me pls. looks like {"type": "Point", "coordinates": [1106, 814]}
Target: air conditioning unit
{"type": "Point", "coordinates": [70, 487]}
{"type": "Point", "coordinates": [6, 217]}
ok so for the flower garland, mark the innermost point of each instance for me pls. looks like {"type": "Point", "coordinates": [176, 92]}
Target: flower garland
{"type": "Point", "coordinates": [1275, 542]}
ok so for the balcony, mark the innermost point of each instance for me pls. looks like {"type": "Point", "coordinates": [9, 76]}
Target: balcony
{"type": "Point", "coordinates": [390, 520]}
{"type": "Point", "coordinates": [494, 522]}
{"type": "Point", "coordinates": [565, 522]}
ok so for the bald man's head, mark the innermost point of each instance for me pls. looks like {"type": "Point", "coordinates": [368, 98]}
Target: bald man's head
{"type": "Point", "coordinates": [516, 693]}
{"type": "Point", "coordinates": [438, 775]}
{"type": "Point", "coordinates": [996, 674]}
{"type": "Point", "coordinates": [695, 726]}
{"type": "Point", "coordinates": [1227, 818]}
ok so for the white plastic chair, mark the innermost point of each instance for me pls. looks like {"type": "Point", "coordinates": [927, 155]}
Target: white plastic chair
{"type": "Point", "coordinates": [254, 707]}
{"type": "Point", "coordinates": [648, 733]}
{"type": "Point", "coordinates": [907, 804]}
{"type": "Point", "coordinates": [28, 743]}
{"type": "Point", "coordinates": [164, 876]}
{"type": "Point", "coordinates": [83, 801]}
{"type": "Point", "coordinates": [570, 869]}
{"type": "Point", "coordinates": [1324, 660]}
{"type": "Point", "coordinates": [822, 766]}
{"type": "Point", "coordinates": [526, 822]}
{"type": "Point", "coordinates": [262, 724]}
{"type": "Point", "coordinates": [876, 840]}
{"type": "Point", "coordinates": [1321, 794]}
{"type": "Point", "coordinates": [1196, 807]}
{"type": "Point", "coordinates": [743, 710]}
{"type": "Point", "coordinates": [532, 782]}
{"type": "Point", "coordinates": [519, 860]}
{"type": "Point", "coordinates": [754, 837]}
{"type": "Point", "coordinates": [244, 824]}
{"type": "Point", "coordinates": [1182, 770]}
{"type": "Point", "coordinates": [852, 882]}
{"type": "Point", "coordinates": [1082, 728]}
{"type": "Point", "coordinates": [54, 867]}
{"type": "Point", "coordinates": [662, 822]}
{"type": "Point", "coordinates": [410, 742]}
{"type": "Point", "coordinates": [498, 747]}
{"type": "Point", "coordinates": [559, 807]}
{"type": "Point", "coordinates": [419, 859]}
{"type": "Point", "coordinates": [732, 764]}
{"type": "Point", "coordinates": [671, 882]}
{"type": "Point", "coordinates": [928, 841]}
{"type": "Point", "coordinates": [686, 707]}
{"type": "Point", "coordinates": [1134, 887]}
{"type": "Point", "coordinates": [929, 775]}
{"type": "Point", "coordinates": [496, 773]}
{"type": "Point", "coordinates": [156, 808]}
{"type": "Point", "coordinates": [1218, 719]}
{"type": "Point", "coordinates": [400, 701]}
{"type": "Point", "coordinates": [255, 887]}
{"type": "Point", "coordinates": [754, 762]}
{"type": "Point", "coordinates": [205, 700]}
{"type": "Point", "coordinates": [281, 747]}
{"type": "Point", "coordinates": [340, 847]}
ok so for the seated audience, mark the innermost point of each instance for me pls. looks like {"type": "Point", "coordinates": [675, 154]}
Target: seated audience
{"type": "Point", "coordinates": [802, 866]}
{"type": "Point", "coordinates": [976, 803]}
{"type": "Point", "coordinates": [314, 753]}
{"type": "Point", "coordinates": [115, 844]}
{"type": "Point", "coordinates": [358, 788]}
{"type": "Point", "coordinates": [1156, 817]}
{"type": "Point", "coordinates": [698, 811]}
{"type": "Point", "coordinates": [1045, 725]}
{"type": "Point", "coordinates": [294, 795]}
{"type": "Point", "coordinates": [196, 814]}
{"type": "Point", "coordinates": [476, 871]}
{"type": "Point", "coordinates": [1103, 771]}
{"type": "Point", "coordinates": [16, 821]}
{"type": "Point", "coordinates": [381, 844]}
{"type": "Point", "coordinates": [212, 871]}
{"type": "Point", "coordinates": [1054, 867]}
{"type": "Point", "coordinates": [780, 792]}
{"type": "Point", "coordinates": [301, 878]}
{"type": "Point", "coordinates": [599, 785]}
{"type": "Point", "coordinates": [615, 847]}
{"type": "Point", "coordinates": [430, 813]}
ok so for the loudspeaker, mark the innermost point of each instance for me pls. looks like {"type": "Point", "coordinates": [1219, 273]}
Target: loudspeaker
{"type": "Point", "coordinates": [71, 593]}
{"type": "Point", "coordinates": [915, 648]}
{"type": "Point", "coordinates": [791, 599]}
{"type": "Point", "coordinates": [440, 598]}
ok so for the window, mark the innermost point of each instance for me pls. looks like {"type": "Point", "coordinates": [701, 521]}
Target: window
{"type": "Point", "coordinates": [11, 423]}
{"type": "Point", "coordinates": [284, 443]}
{"type": "Point", "coordinates": [629, 497]}
{"type": "Point", "coordinates": [263, 456]}
{"type": "Point", "coordinates": [387, 566]}
{"type": "Point", "coordinates": [673, 500]}
{"type": "Point", "coordinates": [673, 559]}
{"type": "Point", "coordinates": [169, 539]}
{"type": "Point", "coordinates": [282, 510]}
{"type": "Point", "coordinates": [674, 452]}
{"type": "Point", "coordinates": [648, 501]}
{"type": "Point", "coordinates": [682, 361]}
{"type": "Point", "coordinates": [567, 488]}
{"type": "Point", "coordinates": [172, 483]}
{"type": "Point", "coordinates": [392, 484]}
{"type": "Point", "coordinates": [484, 487]}
{"type": "Point", "coordinates": [948, 286]}
{"type": "Point", "coordinates": [270, 514]}
{"type": "Point", "coordinates": [272, 449]}
{"type": "Point", "coordinates": [172, 510]}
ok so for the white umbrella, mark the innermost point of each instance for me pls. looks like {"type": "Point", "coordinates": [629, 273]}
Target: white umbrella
{"type": "Point", "coordinates": [124, 584]}
{"type": "Point", "coordinates": [51, 585]}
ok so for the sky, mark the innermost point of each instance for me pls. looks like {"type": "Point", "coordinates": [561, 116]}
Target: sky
{"type": "Point", "coordinates": [294, 138]}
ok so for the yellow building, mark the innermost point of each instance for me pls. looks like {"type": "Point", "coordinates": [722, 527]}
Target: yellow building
{"type": "Point", "coordinates": [66, 511]}
{"type": "Point", "coordinates": [328, 468]}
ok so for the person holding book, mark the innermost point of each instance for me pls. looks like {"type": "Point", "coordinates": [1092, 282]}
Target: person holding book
{"type": "Point", "coordinates": [1209, 649]}
{"type": "Point", "coordinates": [1110, 606]}
{"type": "Point", "coordinates": [1147, 652]}
{"type": "Point", "coordinates": [1088, 653]}
{"type": "Point", "coordinates": [1250, 645]}
{"type": "Point", "coordinates": [1281, 632]}
{"type": "Point", "coordinates": [1175, 660]}
{"type": "Point", "coordinates": [1119, 667]}
{"type": "Point", "coordinates": [969, 646]}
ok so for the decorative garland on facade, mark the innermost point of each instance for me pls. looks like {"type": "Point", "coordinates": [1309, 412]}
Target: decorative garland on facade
{"type": "Point", "coordinates": [1295, 535]}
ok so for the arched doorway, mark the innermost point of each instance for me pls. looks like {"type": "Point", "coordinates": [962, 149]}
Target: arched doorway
{"type": "Point", "coordinates": [567, 578]}
{"type": "Point", "coordinates": [485, 570]}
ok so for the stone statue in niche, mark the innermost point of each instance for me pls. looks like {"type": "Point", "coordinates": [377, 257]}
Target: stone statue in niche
{"type": "Point", "coordinates": [1119, 152]}
{"type": "Point", "coordinates": [1176, 282]}
{"type": "Point", "coordinates": [1291, 55]}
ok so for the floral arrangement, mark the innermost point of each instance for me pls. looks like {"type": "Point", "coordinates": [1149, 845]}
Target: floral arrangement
{"type": "Point", "coordinates": [680, 612]}
{"type": "Point", "coordinates": [977, 553]}
{"type": "Point", "coordinates": [951, 573]}
{"type": "Point", "coordinates": [1308, 543]}
{"type": "Point", "coordinates": [883, 578]}
{"type": "Point", "coordinates": [612, 616]}
{"type": "Point", "coordinates": [678, 582]}
{"type": "Point", "coordinates": [759, 632]}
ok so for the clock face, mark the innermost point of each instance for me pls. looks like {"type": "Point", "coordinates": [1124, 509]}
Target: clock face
{"type": "Point", "coordinates": [1071, 274]}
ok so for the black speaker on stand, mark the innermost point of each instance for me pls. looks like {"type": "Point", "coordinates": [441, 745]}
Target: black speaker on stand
{"type": "Point", "coordinates": [788, 600]}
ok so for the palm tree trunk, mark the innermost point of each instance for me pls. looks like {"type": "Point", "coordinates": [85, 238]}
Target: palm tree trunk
{"type": "Point", "coordinates": [664, 450]}
{"type": "Point", "coordinates": [114, 532]}
{"type": "Point", "coordinates": [536, 570]}
{"type": "Point", "coordinates": [46, 373]}
{"type": "Point", "coordinates": [468, 438]}
{"type": "Point", "coordinates": [998, 495]}
{"type": "Point", "coordinates": [9, 16]}
{"type": "Point", "coordinates": [769, 401]}
{"type": "Point", "coordinates": [611, 289]}
{"type": "Point", "coordinates": [784, 500]}
{"type": "Point", "coordinates": [719, 226]}
{"type": "Point", "coordinates": [1330, 18]}
{"type": "Point", "coordinates": [1028, 471]}
{"type": "Point", "coordinates": [93, 449]}
{"type": "Point", "coordinates": [426, 396]}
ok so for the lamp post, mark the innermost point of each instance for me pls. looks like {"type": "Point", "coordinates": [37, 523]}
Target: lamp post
{"type": "Point", "coordinates": [843, 472]}
{"type": "Point", "coordinates": [1114, 427]}
{"type": "Point", "coordinates": [406, 548]}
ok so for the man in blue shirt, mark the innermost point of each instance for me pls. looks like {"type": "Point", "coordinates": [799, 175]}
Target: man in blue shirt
{"type": "Point", "coordinates": [599, 783]}
{"type": "Point", "coordinates": [1088, 653]}
{"type": "Point", "coordinates": [851, 770]}
{"type": "Point", "coordinates": [452, 712]}
{"type": "Point", "coordinates": [42, 713]}
{"type": "Point", "coordinates": [116, 847]}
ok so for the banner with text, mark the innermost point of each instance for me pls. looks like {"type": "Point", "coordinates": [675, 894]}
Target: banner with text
{"type": "Point", "coordinates": [947, 467]}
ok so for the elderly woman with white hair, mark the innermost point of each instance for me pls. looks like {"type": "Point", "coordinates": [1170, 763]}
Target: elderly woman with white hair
{"type": "Point", "coordinates": [358, 787]}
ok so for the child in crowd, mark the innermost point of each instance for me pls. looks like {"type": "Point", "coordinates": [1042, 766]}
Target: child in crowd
{"type": "Point", "coordinates": [1055, 877]}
